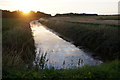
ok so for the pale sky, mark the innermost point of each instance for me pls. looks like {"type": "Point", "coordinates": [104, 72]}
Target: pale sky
{"type": "Point", "coordinates": [62, 6]}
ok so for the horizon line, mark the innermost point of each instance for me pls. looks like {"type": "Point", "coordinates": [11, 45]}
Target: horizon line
{"type": "Point", "coordinates": [63, 13]}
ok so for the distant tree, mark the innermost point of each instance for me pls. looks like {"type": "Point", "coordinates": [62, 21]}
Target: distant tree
{"type": "Point", "coordinates": [19, 14]}
{"type": "Point", "coordinates": [75, 14]}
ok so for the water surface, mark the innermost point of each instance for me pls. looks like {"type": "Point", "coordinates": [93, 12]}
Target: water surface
{"type": "Point", "coordinates": [60, 53]}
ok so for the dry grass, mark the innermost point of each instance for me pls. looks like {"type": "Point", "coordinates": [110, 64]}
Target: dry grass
{"type": "Point", "coordinates": [18, 44]}
{"type": "Point", "coordinates": [90, 19]}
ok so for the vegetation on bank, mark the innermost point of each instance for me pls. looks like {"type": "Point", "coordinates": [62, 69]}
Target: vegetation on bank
{"type": "Point", "coordinates": [105, 71]}
{"type": "Point", "coordinates": [102, 39]}
{"type": "Point", "coordinates": [18, 48]}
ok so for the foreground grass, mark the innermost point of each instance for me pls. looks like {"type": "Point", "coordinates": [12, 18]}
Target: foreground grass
{"type": "Point", "coordinates": [105, 71]}
{"type": "Point", "coordinates": [102, 39]}
{"type": "Point", "coordinates": [18, 44]}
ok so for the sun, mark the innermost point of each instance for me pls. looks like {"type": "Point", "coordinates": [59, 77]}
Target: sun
{"type": "Point", "coordinates": [26, 11]}
{"type": "Point", "coordinates": [25, 5]}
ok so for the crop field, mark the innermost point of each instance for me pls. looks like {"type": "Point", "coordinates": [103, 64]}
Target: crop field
{"type": "Point", "coordinates": [113, 20]}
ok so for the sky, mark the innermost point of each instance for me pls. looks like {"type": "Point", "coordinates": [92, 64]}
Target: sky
{"type": "Point", "coordinates": [62, 6]}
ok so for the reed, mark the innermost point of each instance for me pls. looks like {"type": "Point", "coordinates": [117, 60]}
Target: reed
{"type": "Point", "coordinates": [18, 44]}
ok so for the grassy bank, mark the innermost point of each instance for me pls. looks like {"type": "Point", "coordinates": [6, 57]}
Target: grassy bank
{"type": "Point", "coordinates": [17, 44]}
{"type": "Point", "coordinates": [107, 71]}
{"type": "Point", "coordinates": [102, 39]}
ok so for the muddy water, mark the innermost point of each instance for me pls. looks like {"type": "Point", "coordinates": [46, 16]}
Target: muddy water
{"type": "Point", "coordinates": [60, 53]}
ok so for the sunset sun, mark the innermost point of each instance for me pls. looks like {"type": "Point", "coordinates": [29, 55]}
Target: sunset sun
{"type": "Point", "coordinates": [26, 11]}
{"type": "Point", "coordinates": [25, 6]}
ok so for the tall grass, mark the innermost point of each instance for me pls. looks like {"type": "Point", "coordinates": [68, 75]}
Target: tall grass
{"type": "Point", "coordinates": [102, 39]}
{"type": "Point", "coordinates": [105, 71]}
{"type": "Point", "coordinates": [18, 44]}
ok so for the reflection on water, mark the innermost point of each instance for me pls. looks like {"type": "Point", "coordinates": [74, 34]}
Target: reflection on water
{"type": "Point", "coordinates": [60, 53]}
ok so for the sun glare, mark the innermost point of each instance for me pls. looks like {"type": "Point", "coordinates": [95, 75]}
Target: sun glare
{"type": "Point", "coordinates": [26, 11]}
{"type": "Point", "coordinates": [25, 6]}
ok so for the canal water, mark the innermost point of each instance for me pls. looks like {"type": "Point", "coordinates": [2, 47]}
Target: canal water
{"type": "Point", "coordinates": [57, 52]}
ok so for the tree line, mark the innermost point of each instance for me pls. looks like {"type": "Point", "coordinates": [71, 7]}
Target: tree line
{"type": "Point", "coordinates": [20, 14]}
{"type": "Point", "coordinates": [75, 14]}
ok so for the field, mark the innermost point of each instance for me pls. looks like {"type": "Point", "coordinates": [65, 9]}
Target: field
{"type": "Point", "coordinates": [113, 20]}
{"type": "Point", "coordinates": [19, 50]}
{"type": "Point", "coordinates": [91, 32]}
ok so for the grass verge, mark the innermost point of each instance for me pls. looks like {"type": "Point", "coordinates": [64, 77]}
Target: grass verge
{"type": "Point", "coordinates": [18, 44]}
{"type": "Point", "coordinates": [105, 71]}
